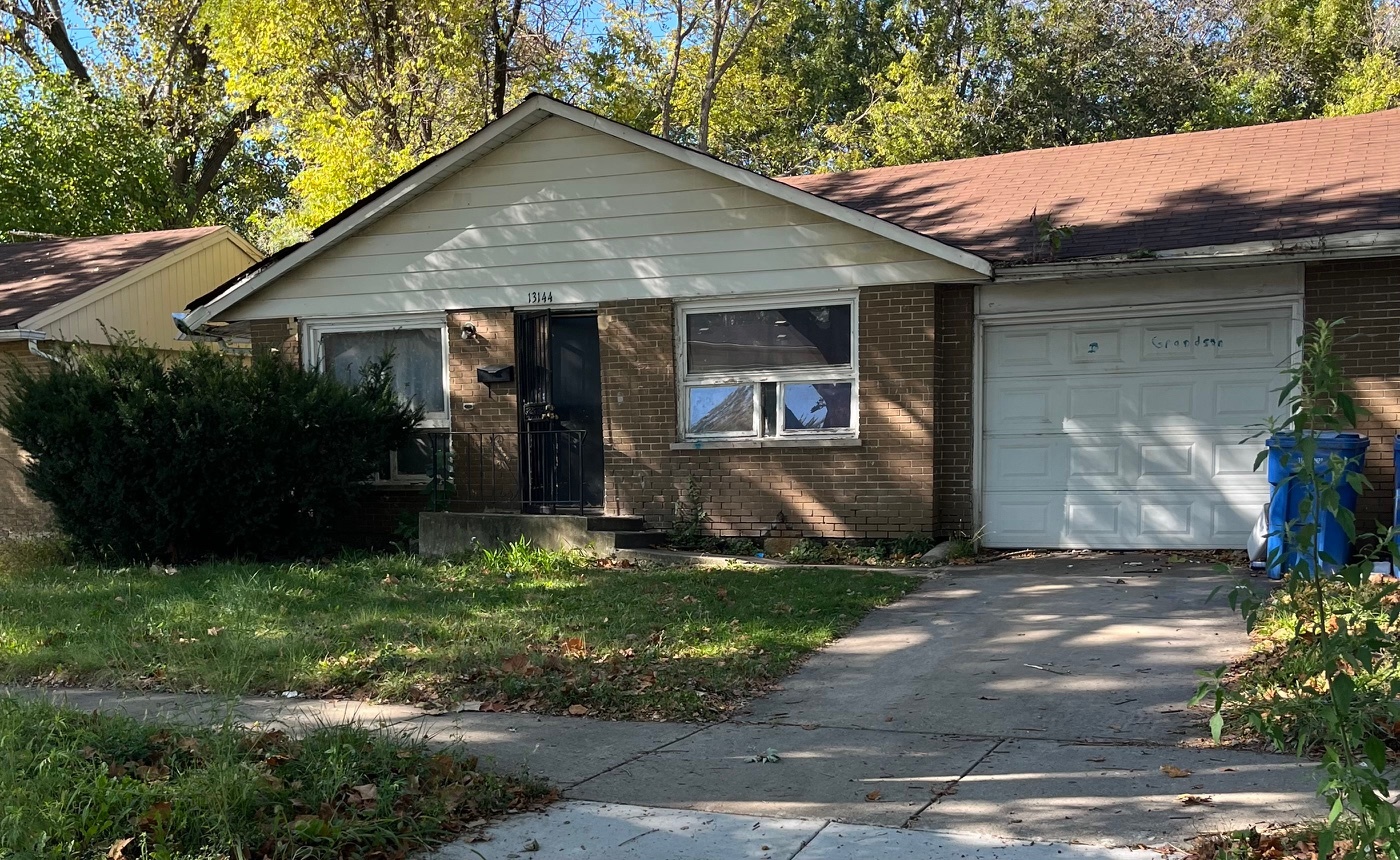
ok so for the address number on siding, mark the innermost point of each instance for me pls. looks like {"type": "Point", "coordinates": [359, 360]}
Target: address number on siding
{"type": "Point", "coordinates": [540, 298]}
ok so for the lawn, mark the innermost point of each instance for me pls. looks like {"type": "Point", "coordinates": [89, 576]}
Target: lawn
{"type": "Point", "coordinates": [93, 785]}
{"type": "Point", "coordinates": [510, 630]}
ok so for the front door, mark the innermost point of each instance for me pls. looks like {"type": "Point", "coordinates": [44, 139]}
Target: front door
{"type": "Point", "coordinates": [561, 410]}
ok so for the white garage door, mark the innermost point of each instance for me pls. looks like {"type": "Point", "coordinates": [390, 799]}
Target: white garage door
{"type": "Point", "coordinates": [1110, 434]}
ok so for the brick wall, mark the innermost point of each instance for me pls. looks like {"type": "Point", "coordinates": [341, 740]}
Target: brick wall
{"type": "Point", "coordinates": [485, 466]}
{"type": "Point", "coordinates": [881, 488]}
{"type": "Point", "coordinates": [278, 334]}
{"type": "Point", "coordinates": [955, 308]}
{"type": "Point", "coordinates": [20, 512]}
{"type": "Point", "coordinates": [1366, 293]}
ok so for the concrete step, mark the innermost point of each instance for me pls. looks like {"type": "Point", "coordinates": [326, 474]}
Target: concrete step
{"type": "Point", "coordinates": [639, 539]}
{"type": "Point", "coordinates": [606, 523]}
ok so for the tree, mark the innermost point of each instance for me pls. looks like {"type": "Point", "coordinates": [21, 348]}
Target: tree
{"type": "Point", "coordinates": [364, 91]}
{"type": "Point", "coordinates": [152, 58]}
{"type": "Point", "coordinates": [73, 165]}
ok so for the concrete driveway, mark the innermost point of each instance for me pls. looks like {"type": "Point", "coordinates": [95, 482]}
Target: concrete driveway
{"type": "Point", "coordinates": [1025, 698]}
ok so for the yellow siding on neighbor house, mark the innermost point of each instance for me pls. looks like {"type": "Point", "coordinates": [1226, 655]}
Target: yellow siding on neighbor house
{"type": "Point", "coordinates": [582, 216]}
{"type": "Point", "coordinates": [145, 304]}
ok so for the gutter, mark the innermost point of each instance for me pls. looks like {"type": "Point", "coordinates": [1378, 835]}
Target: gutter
{"type": "Point", "coordinates": [1338, 246]}
{"type": "Point", "coordinates": [32, 337]}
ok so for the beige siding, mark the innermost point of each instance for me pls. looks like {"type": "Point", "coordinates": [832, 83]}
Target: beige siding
{"type": "Point", "coordinates": [144, 304]}
{"type": "Point", "coordinates": [584, 217]}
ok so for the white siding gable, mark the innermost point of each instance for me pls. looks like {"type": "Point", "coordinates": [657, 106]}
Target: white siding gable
{"type": "Point", "coordinates": [581, 216]}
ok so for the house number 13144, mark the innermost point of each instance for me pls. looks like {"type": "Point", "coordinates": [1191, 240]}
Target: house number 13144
{"type": "Point", "coordinates": [540, 297]}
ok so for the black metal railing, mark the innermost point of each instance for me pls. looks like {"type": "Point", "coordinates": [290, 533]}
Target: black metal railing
{"type": "Point", "coordinates": [538, 470]}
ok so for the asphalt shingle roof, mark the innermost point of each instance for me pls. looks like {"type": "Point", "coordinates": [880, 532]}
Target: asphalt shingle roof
{"type": "Point", "coordinates": [36, 276]}
{"type": "Point", "coordinates": [1282, 181]}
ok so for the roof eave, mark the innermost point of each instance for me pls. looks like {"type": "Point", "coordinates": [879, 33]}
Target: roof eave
{"type": "Point", "coordinates": [1336, 246]}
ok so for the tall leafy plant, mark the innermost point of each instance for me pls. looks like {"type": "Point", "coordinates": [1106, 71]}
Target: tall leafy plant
{"type": "Point", "coordinates": [1343, 623]}
{"type": "Point", "coordinates": [146, 456]}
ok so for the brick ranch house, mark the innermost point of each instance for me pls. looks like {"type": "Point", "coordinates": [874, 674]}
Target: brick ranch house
{"type": "Point", "coordinates": [1059, 348]}
{"type": "Point", "coordinates": [77, 290]}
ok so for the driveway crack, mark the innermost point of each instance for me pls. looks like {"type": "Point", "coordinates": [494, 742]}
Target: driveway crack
{"type": "Point", "coordinates": [951, 787]}
{"type": "Point", "coordinates": [643, 753]}
{"type": "Point", "coordinates": [808, 840]}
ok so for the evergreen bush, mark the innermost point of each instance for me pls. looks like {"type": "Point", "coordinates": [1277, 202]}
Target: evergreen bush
{"type": "Point", "coordinates": [145, 455]}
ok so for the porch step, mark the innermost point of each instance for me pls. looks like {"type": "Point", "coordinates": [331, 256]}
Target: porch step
{"type": "Point", "coordinates": [605, 523]}
{"type": "Point", "coordinates": [638, 539]}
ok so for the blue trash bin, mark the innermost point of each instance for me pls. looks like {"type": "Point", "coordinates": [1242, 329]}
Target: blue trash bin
{"type": "Point", "coordinates": [1333, 545]}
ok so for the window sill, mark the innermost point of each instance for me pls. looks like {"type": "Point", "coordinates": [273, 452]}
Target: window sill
{"type": "Point", "coordinates": [731, 444]}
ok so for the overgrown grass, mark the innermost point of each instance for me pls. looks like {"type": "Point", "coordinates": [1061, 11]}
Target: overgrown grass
{"type": "Point", "coordinates": [517, 629]}
{"type": "Point", "coordinates": [1285, 682]}
{"type": "Point", "coordinates": [76, 785]}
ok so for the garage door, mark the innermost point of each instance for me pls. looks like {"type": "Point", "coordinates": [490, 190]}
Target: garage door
{"type": "Point", "coordinates": [1111, 434]}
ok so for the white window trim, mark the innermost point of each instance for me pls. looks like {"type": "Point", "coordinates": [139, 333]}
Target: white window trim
{"type": "Point", "coordinates": [782, 376]}
{"type": "Point", "coordinates": [313, 358]}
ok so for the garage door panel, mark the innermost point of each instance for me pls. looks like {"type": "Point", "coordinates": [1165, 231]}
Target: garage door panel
{"type": "Point", "coordinates": [1127, 434]}
{"type": "Point", "coordinates": [1121, 520]}
{"type": "Point", "coordinates": [1116, 461]}
{"type": "Point", "coordinates": [1237, 399]}
{"type": "Point", "coordinates": [1169, 343]}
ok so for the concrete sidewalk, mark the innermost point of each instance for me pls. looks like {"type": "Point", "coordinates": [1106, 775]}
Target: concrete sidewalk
{"type": "Point", "coordinates": [610, 831]}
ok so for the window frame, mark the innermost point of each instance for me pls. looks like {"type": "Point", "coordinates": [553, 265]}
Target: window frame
{"type": "Point", "coordinates": [313, 358]}
{"type": "Point", "coordinates": [686, 380]}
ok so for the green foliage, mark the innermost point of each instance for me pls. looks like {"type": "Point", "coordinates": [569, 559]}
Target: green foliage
{"type": "Point", "coordinates": [689, 517]}
{"type": "Point", "coordinates": [147, 456]}
{"type": "Point", "coordinates": [805, 551]}
{"type": "Point", "coordinates": [672, 643]}
{"type": "Point", "coordinates": [741, 546]}
{"type": "Point", "coordinates": [1338, 692]}
{"type": "Point", "coordinates": [156, 140]}
{"type": "Point", "coordinates": [365, 91]}
{"type": "Point", "coordinates": [75, 166]}
{"type": "Point", "coordinates": [95, 785]}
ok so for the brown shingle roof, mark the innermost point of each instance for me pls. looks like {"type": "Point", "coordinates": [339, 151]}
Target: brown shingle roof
{"type": "Point", "coordinates": [1289, 180]}
{"type": "Point", "coordinates": [36, 276]}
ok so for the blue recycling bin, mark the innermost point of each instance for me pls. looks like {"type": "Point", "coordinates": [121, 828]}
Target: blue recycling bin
{"type": "Point", "coordinates": [1285, 499]}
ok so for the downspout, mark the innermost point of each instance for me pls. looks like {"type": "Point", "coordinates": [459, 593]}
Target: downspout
{"type": "Point", "coordinates": [35, 350]}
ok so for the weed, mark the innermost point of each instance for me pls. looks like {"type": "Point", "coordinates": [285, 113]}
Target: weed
{"type": "Point", "coordinates": [688, 524]}
{"type": "Point", "coordinates": [1330, 695]}
{"type": "Point", "coordinates": [805, 551]}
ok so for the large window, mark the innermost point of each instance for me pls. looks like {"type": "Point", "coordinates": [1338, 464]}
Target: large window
{"type": "Point", "coordinates": [771, 369]}
{"type": "Point", "coordinates": [418, 350]}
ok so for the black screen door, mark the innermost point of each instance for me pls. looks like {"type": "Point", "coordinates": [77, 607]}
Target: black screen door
{"type": "Point", "coordinates": [561, 410]}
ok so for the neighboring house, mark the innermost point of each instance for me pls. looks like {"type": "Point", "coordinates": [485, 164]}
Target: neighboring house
{"type": "Point", "coordinates": [1057, 348]}
{"type": "Point", "coordinates": [70, 289]}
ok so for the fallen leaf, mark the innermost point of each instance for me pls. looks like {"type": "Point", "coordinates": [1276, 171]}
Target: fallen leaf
{"type": "Point", "coordinates": [579, 710]}
{"type": "Point", "coordinates": [1175, 772]}
{"type": "Point", "coordinates": [364, 795]}
{"type": "Point", "coordinates": [573, 646]}
{"type": "Point", "coordinates": [516, 663]}
{"type": "Point", "coordinates": [118, 849]}
{"type": "Point", "coordinates": [530, 845]}
{"type": "Point", "coordinates": [990, 698]}
{"type": "Point", "coordinates": [157, 813]}
{"type": "Point", "coordinates": [467, 706]}
{"type": "Point", "coordinates": [1097, 758]}
{"type": "Point", "coordinates": [214, 631]}
{"type": "Point", "coordinates": [873, 796]}
{"type": "Point", "coordinates": [1195, 799]}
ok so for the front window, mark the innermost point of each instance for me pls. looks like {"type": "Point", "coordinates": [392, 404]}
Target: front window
{"type": "Point", "coordinates": [756, 370]}
{"type": "Point", "coordinates": [418, 350]}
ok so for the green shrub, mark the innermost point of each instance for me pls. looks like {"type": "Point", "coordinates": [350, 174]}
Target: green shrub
{"type": "Point", "coordinates": [805, 551]}
{"type": "Point", "coordinates": [202, 454]}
